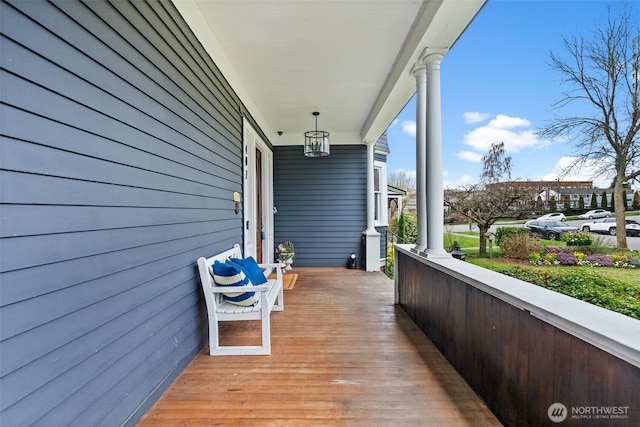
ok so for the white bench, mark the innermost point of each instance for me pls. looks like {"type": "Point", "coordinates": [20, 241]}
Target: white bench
{"type": "Point", "coordinates": [219, 310]}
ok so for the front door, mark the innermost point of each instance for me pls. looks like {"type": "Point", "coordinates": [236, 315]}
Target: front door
{"type": "Point", "coordinates": [260, 233]}
{"type": "Point", "coordinates": [258, 196]}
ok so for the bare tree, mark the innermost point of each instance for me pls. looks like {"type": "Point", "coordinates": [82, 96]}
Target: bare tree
{"type": "Point", "coordinates": [603, 74]}
{"type": "Point", "coordinates": [495, 165]}
{"type": "Point", "coordinates": [406, 181]}
{"type": "Point", "coordinates": [402, 179]}
{"type": "Point", "coordinates": [490, 200]}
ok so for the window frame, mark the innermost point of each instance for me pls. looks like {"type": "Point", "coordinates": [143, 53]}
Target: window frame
{"type": "Point", "coordinates": [380, 195]}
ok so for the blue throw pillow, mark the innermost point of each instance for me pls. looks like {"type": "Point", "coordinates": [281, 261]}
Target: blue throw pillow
{"type": "Point", "coordinates": [252, 269]}
{"type": "Point", "coordinates": [232, 275]}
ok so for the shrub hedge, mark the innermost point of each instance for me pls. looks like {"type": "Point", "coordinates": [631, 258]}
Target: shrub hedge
{"type": "Point", "coordinates": [519, 245]}
{"type": "Point", "coordinates": [502, 232]}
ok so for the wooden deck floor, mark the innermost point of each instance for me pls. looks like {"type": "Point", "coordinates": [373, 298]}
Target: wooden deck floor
{"type": "Point", "coordinates": [342, 354]}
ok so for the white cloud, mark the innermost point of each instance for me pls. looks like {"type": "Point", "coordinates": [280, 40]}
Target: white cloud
{"type": "Point", "coordinates": [461, 181]}
{"type": "Point", "coordinates": [505, 122]}
{"type": "Point", "coordinates": [515, 132]}
{"type": "Point", "coordinates": [586, 173]}
{"type": "Point", "coordinates": [409, 127]}
{"type": "Point", "coordinates": [469, 156]}
{"type": "Point", "coordinates": [475, 117]}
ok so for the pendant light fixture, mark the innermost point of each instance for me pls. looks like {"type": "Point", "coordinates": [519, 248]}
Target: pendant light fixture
{"type": "Point", "coordinates": [316, 142]}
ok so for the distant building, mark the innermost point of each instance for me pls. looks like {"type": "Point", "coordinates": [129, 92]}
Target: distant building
{"type": "Point", "coordinates": [587, 195]}
{"type": "Point", "coordinates": [573, 190]}
{"type": "Point", "coordinates": [548, 188]}
{"type": "Point", "coordinates": [395, 197]}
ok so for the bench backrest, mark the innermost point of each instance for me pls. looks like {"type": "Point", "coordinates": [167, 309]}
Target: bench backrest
{"type": "Point", "coordinates": [204, 268]}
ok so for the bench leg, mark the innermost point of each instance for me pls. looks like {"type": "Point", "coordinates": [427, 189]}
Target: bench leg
{"type": "Point", "coordinates": [214, 337]}
{"type": "Point", "coordinates": [266, 324]}
{"type": "Point", "coordinates": [279, 302]}
{"type": "Point", "coordinates": [215, 349]}
{"type": "Point", "coordinates": [278, 305]}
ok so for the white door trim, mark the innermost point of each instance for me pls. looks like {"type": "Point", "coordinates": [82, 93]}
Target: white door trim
{"type": "Point", "coordinates": [251, 142]}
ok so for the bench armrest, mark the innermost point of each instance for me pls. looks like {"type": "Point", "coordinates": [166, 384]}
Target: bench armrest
{"type": "Point", "coordinates": [227, 289]}
{"type": "Point", "coordinates": [269, 268]}
{"type": "Point", "coordinates": [274, 265]}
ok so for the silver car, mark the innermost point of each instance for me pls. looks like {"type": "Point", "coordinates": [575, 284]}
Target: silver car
{"type": "Point", "coordinates": [608, 226]}
{"type": "Point", "coordinates": [596, 213]}
{"type": "Point", "coordinates": [554, 216]}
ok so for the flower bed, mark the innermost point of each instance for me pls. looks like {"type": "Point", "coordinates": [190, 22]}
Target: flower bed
{"type": "Point", "coordinates": [556, 255]}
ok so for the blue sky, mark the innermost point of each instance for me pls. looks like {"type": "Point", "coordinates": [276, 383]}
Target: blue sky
{"type": "Point", "coordinates": [497, 85]}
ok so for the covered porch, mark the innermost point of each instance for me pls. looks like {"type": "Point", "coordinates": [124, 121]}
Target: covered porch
{"type": "Point", "coordinates": [343, 354]}
{"type": "Point", "coordinates": [136, 140]}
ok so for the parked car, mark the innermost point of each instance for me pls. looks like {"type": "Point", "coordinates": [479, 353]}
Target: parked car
{"type": "Point", "coordinates": [554, 216]}
{"type": "Point", "coordinates": [596, 213]}
{"type": "Point", "coordinates": [608, 226]}
{"type": "Point", "coordinates": [552, 230]}
{"type": "Point", "coordinates": [633, 228]}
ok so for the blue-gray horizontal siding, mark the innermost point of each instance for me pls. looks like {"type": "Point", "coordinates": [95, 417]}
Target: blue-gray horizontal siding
{"type": "Point", "coordinates": [383, 241]}
{"type": "Point", "coordinates": [120, 151]}
{"type": "Point", "coordinates": [382, 144]}
{"type": "Point", "coordinates": [321, 203]}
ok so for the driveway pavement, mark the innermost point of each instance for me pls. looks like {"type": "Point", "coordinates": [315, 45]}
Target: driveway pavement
{"type": "Point", "coordinates": [632, 242]}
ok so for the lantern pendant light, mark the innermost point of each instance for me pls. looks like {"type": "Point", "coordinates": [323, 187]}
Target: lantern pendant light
{"type": "Point", "coordinates": [316, 142]}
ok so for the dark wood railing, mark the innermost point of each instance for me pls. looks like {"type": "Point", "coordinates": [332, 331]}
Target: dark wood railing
{"type": "Point", "coordinates": [521, 357]}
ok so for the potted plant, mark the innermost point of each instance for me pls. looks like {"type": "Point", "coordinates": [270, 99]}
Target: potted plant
{"type": "Point", "coordinates": [286, 252]}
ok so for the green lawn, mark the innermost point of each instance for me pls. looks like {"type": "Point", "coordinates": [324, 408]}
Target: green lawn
{"type": "Point", "coordinates": [630, 276]}
{"type": "Point", "coordinates": [463, 241]}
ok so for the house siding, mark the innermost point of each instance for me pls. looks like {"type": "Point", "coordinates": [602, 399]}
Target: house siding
{"type": "Point", "coordinates": [120, 151]}
{"type": "Point", "coordinates": [377, 157]}
{"type": "Point", "coordinates": [382, 145]}
{"type": "Point", "coordinates": [321, 204]}
{"type": "Point", "coordinates": [383, 241]}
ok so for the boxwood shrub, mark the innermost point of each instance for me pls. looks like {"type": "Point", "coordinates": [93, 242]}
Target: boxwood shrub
{"type": "Point", "coordinates": [502, 232]}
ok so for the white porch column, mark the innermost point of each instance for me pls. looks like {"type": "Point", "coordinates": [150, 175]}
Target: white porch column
{"type": "Point", "coordinates": [372, 237]}
{"type": "Point", "coordinates": [419, 72]}
{"type": "Point", "coordinates": [370, 191]}
{"type": "Point", "coordinates": [435, 185]}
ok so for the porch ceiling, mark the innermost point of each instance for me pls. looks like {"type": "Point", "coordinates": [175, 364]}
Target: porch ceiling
{"type": "Point", "coordinates": [348, 59]}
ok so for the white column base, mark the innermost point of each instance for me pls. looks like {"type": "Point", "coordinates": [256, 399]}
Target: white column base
{"type": "Point", "coordinates": [435, 253]}
{"type": "Point", "coordinates": [372, 249]}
